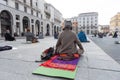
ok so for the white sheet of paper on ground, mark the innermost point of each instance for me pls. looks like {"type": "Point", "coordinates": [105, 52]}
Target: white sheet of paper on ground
{"type": "Point", "coordinates": [14, 48]}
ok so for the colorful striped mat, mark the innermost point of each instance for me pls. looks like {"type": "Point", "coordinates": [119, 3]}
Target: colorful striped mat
{"type": "Point", "coordinates": [58, 68]}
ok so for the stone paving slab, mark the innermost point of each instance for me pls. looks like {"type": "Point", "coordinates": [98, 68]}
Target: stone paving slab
{"type": "Point", "coordinates": [95, 74]}
{"type": "Point", "coordinates": [18, 64]}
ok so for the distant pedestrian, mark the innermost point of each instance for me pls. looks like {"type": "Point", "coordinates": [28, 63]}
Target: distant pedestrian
{"type": "Point", "coordinates": [115, 34]}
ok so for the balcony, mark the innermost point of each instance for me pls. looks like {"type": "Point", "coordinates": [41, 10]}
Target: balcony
{"type": "Point", "coordinates": [27, 4]}
{"type": "Point", "coordinates": [47, 9]}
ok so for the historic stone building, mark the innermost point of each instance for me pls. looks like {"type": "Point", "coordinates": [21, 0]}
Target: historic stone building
{"type": "Point", "coordinates": [115, 23]}
{"type": "Point", "coordinates": [88, 22]}
{"type": "Point", "coordinates": [18, 15]}
{"type": "Point", "coordinates": [53, 19]}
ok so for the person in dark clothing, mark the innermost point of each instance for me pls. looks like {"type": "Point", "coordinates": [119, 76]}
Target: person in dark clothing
{"type": "Point", "coordinates": [30, 36]}
{"type": "Point", "coordinates": [56, 35]}
{"type": "Point", "coordinates": [40, 36]}
{"type": "Point", "coordinates": [67, 43]}
{"type": "Point", "coordinates": [8, 36]}
{"type": "Point", "coordinates": [115, 34]}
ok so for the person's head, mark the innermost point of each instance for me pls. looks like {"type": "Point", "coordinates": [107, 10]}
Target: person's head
{"type": "Point", "coordinates": [68, 25]}
{"type": "Point", "coordinates": [7, 31]}
{"type": "Point", "coordinates": [40, 32]}
{"type": "Point", "coordinates": [28, 30]}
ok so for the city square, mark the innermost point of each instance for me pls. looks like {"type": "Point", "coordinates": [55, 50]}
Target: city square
{"type": "Point", "coordinates": [30, 27]}
{"type": "Point", "coordinates": [19, 63]}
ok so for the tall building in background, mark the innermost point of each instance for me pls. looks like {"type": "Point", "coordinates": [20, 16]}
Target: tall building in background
{"type": "Point", "coordinates": [18, 15]}
{"type": "Point", "coordinates": [53, 19]}
{"type": "Point", "coordinates": [115, 23]}
{"type": "Point", "coordinates": [88, 22]}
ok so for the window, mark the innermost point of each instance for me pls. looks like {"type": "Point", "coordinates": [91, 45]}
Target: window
{"type": "Point", "coordinates": [5, 0]}
{"type": "Point", "coordinates": [41, 16]}
{"type": "Point", "coordinates": [17, 17]}
{"type": "Point", "coordinates": [17, 24]}
{"type": "Point", "coordinates": [25, 9]}
{"type": "Point", "coordinates": [32, 21]}
{"type": "Point", "coordinates": [41, 23]}
{"type": "Point", "coordinates": [24, 1]}
{"type": "Point", "coordinates": [30, 2]}
{"type": "Point", "coordinates": [32, 28]}
{"type": "Point", "coordinates": [36, 4]}
{"type": "Point", "coordinates": [31, 11]}
{"type": "Point", "coordinates": [37, 14]}
{"type": "Point", "coordinates": [16, 5]}
{"type": "Point", "coordinates": [91, 22]}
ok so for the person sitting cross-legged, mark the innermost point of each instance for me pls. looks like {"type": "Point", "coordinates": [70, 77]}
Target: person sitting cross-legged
{"type": "Point", "coordinates": [30, 36]}
{"type": "Point", "coordinates": [67, 43]}
{"type": "Point", "coordinates": [8, 36]}
{"type": "Point", "coordinates": [82, 36]}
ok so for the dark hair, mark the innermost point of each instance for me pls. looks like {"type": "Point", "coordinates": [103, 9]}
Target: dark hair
{"type": "Point", "coordinates": [68, 25]}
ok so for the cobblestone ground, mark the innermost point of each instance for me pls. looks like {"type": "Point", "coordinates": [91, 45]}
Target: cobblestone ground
{"type": "Point", "coordinates": [19, 63]}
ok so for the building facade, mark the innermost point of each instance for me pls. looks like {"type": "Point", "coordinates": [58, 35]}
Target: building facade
{"type": "Point", "coordinates": [53, 19]}
{"type": "Point", "coordinates": [104, 28]}
{"type": "Point", "coordinates": [88, 22]}
{"type": "Point", "coordinates": [115, 23]}
{"type": "Point", "coordinates": [18, 15]}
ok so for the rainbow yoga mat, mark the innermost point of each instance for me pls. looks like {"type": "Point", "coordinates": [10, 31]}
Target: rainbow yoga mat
{"type": "Point", "coordinates": [58, 68]}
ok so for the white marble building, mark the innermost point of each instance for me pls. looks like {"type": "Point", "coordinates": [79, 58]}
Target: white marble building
{"type": "Point", "coordinates": [53, 19]}
{"type": "Point", "coordinates": [17, 15]}
{"type": "Point", "coordinates": [88, 22]}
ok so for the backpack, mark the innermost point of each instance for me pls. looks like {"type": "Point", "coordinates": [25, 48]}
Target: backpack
{"type": "Point", "coordinates": [47, 54]}
{"type": "Point", "coordinates": [3, 48]}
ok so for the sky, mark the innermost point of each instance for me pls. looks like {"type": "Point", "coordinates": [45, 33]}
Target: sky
{"type": "Point", "coordinates": [70, 8]}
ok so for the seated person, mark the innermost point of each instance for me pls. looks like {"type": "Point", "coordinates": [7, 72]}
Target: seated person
{"type": "Point", "coordinates": [82, 37]}
{"type": "Point", "coordinates": [115, 34]}
{"type": "Point", "coordinates": [67, 43]}
{"type": "Point", "coordinates": [56, 35]}
{"type": "Point", "coordinates": [8, 36]}
{"type": "Point", "coordinates": [40, 36]}
{"type": "Point", "coordinates": [30, 36]}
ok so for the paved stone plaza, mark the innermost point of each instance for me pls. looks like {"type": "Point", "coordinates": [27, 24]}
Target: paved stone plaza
{"type": "Point", "coordinates": [19, 63]}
